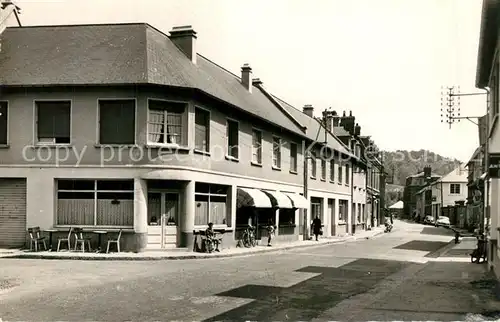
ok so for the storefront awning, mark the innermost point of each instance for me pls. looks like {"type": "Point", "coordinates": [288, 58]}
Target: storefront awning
{"type": "Point", "coordinates": [298, 201]}
{"type": "Point", "coordinates": [279, 199]}
{"type": "Point", "coordinates": [247, 197]}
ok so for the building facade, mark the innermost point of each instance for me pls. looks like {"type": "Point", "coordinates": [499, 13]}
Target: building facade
{"type": "Point", "coordinates": [140, 133]}
{"type": "Point", "coordinates": [488, 79]}
{"type": "Point", "coordinates": [448, 191]}
{"type": "Point", "coordinates": [413, 185]}
{"type": "Point", "coordinates": [369, 177]}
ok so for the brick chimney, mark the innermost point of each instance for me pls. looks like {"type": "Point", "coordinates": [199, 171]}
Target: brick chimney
{"type": "Point", "coordinates": [184, 37]}
{"type": "Point", "coordinates": [308, 110]}
{"type": "Point", "coordinates": [348, 122]}
{"type": "Point", "coordinates": [427, 171]}
{"type": "Point", "coordinates": [331, 119]}
{"type": "Point", "coordinates": [246, 77]}
{"type": "Point", "coordinates": [336, 119]}
{"type": "Point", "coordinates": [357, 130]}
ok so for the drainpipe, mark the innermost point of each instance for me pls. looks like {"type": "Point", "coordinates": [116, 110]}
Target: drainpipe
{"type": "Point", "coordinates": [306, 180]}
{"type": "Point", "coordinates": [486, 207]}
{"type": "Point", "coordinates": [441, 210]}
{"type": "Point", "coordinates": [354, 220]}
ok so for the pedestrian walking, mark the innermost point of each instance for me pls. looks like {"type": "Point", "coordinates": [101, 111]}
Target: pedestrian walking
{"type": "Point", "coordinates": [271, 229]}
{"type": "Point", "coordinates": [317, 227]}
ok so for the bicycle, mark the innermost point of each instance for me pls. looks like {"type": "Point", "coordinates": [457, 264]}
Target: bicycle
{"type": "Point", "coordinates": [249, 237]}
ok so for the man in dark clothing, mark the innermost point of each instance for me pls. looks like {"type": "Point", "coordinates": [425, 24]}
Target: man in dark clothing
{"type": "Point", "coordinates": [317, 227]}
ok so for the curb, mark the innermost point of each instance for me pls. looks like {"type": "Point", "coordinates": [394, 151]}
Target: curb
{"type": "Point", "coordinates": [186, 257]}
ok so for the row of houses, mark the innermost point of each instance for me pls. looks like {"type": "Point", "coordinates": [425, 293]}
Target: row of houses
{"type": "Point", "coordinates": [429, 194]}
{"type": "Point", "coordinates": [121, 126]}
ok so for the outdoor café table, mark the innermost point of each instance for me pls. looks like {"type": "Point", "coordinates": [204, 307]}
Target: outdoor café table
{"type": "Point", "coordinates": [50, 231]}
{"type": "Point", "coordinates": [99, 242]}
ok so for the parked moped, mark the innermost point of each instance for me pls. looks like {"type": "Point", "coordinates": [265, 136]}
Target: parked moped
{"type": "Point", "coordinates": [480, 251]}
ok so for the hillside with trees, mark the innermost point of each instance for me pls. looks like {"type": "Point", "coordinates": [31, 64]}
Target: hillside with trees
{"type": "Point", "coordinates": [402, 163]}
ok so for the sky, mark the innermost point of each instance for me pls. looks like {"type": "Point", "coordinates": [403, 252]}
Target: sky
{"type": "Point", "coordinates": [384, 60]}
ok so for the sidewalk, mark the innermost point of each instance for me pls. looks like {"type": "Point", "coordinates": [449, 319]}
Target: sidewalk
{"type": "Point", "coordinates": [172, 255]}
{"type": "Point", "coordinates": [458, 252]}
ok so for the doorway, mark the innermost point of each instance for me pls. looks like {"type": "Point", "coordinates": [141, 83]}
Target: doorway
{"type": "Point", "coordinates": [163, 219]}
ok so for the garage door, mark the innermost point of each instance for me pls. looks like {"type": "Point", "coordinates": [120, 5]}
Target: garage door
{"type": "Point", "coordinates": [12, 212]}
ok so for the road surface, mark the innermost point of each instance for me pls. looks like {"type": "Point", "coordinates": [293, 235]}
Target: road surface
{"type": "Point", "coordinates": [390, 277]}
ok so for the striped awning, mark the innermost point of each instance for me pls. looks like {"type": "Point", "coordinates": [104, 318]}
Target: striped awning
{"type": "Point", "coordinates": [247, 197]}
{"type": "Point", "coordinates": [298, 201]}
{"type": "Point", "coordinates": [279, 199]}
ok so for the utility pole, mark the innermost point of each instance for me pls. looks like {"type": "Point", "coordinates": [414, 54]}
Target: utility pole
{"type": "Point", "coordinates": [450, 100]}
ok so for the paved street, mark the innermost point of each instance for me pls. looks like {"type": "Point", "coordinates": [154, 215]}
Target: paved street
{"type": "Point", "coordinates": [395, 276]}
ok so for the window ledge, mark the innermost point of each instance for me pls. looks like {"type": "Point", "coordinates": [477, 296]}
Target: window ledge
{"type": "Point", "coordinates": [293, 172]}
{"type": "Point", "coordinates": [215, 227]}
{"type": "Point", "coordinates": [231, 158]}
{"type": "Point", "coordinates": [342, 223]}
{"type": "Point", "coordinates": [276, 168]}
{"type": "Point", "coordinates": [313, 177]}
{"type": "Point", "coordinates": [171, 147]}
{"type": "Point", "coordinates": [100, 146]}
{"type": "Point", "coordinates": [256, 164]}
{"type": "Point", "coordinates": [51, 146]}
{"type": "Point", "coordinates": [4, 146]}
{"type": "Point", "coordinates": [201, 152]}
{"type": "Point", "coordinates": [322, 179]}
{"type": "Point", "coordinates": [332, 181]}
{"type": "Point", "coordinates": [65, 228]}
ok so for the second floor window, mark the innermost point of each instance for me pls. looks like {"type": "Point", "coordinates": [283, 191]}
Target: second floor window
{"type": "Point", "coordinates": [202, 130]}
{"type": "Point", "coordinates": [293, 157]}
{"type": "Point", "coordinates": [53, 122]}
{"type": "Point", "coordinates": [313, 166]}
{"type": "Point", "coordinates": [117, 121]}
{"type": "Point", "coordinates": [339, 178]}
{"type": "Point", "coordinates": [332, 170]}
{"type": "Point", "coordinates": [166, 124]}
{"type": "Point", "coordinates": [233, 139]}
{"type": "Point", "coordinates": [3, 122]}
{"type": "Point", "coordinates": [323, 169]}
{"type": "Point", "coordinates": [276, 152]}
{"type": "Point", "coordinates": [256, 146]}
{"type": "Point", "coordinates": [347, 173]}
{"type": "Point", "coordinates": [454, 188]}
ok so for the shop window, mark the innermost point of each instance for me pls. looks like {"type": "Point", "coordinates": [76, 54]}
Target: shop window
{"type": "Point", "coordinates": [95, 203]}
{"type": "Point", "coordinates": [210, 204]}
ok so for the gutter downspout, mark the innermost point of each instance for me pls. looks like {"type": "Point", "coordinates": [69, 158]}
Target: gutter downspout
{"type": "Point", "coordinates": [441, 210]}
{"type": "Point", "coordinates": [353, 205]}
{"type": "Point", "coordinates": [306, 187]}
{"type": "Point", "coordinates": [486, 210]}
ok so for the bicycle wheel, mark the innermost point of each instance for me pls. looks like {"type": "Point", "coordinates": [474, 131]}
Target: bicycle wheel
{"type": "Point", "coordinates": [254, 242]}
{"type": "Point", "coordinates": [246, 241]}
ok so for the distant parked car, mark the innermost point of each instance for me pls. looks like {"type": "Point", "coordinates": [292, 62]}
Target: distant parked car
{"type": "Point", "coordinates": [443, 221]}
{"type": "Point", "coordinates": [429, 220]}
